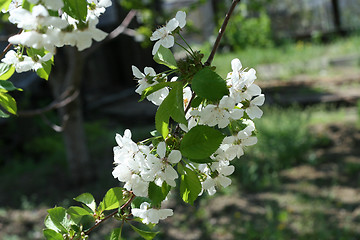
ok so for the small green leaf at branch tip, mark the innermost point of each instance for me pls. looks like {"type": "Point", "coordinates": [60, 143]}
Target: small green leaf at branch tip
{"type": "Point", "coordinates": [165, 57]}
{"type": "Point", "coordinates": [200, 142]}
{"type": "Point", "coordinates": [209, 85]}
{"type": "Point", "coordinates": [88, 200]}
{"type": "Point", "coordinates": [147, 235]}
{"type": "Point", "coordinates": [50, 234]}
{"type": "Point", "coordinates": [113, 199]}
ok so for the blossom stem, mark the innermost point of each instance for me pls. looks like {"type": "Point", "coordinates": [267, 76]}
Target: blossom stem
{"type": "Point", "coordinates": [185, 49]}
{"type": "Point", "coordinates": [112, 214]}
{"type": "Point", "coordinates": [187, 44]}
{"type": "Point", "coordinates": [221, 32]}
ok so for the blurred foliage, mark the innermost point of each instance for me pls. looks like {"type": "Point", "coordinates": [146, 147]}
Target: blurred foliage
{"type": "Point", "coordinates": [246, 31]}
{"type": "Point", "coordinates": [284, 140]}
{"type": "Point", "coordinates": [249, 25]}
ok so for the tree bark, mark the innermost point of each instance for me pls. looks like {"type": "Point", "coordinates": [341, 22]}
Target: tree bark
{"type": "Point", "coordinates": [66, 77]}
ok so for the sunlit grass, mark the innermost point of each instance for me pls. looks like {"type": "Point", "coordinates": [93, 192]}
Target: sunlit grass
{"type": "Point", "coordinates": [291, 55]}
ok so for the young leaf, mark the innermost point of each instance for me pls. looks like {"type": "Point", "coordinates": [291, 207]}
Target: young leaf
{"type": "Point", "coordinates": [158, 194]}
{"type": "Point", "coordinates": [116, 234]}
{"type": "Point", "coordinates": [59, 218]}
{"type": "Point", "coordinates": [190, 186]}
{"type": "Point", "coordinates": [200, 142]}
{"type": "Point", "coordinates": [6, 71]}
{"type": "Point", "coordinates": [113, 199]}
{"type": "Point", "coordinates": [50, 234]}
{"type": "Point", "coordinates": [144, 234]}
{"type": "Point", "coordinates": [44, 72]}
{"type": "Point", "coordinates": [76, 9]}
{"type": "Point", "coordinates": [209, 85]}
{"type": "Point", "coordinates": [77, 213]}
{"type": "Point", "coordinates": [87, 199]}
{"type": "Point", "coordinates": [8, 102]}
{"type": "Point", "coordinates": [172, 106]}
{"type": "Point", "coordinates": [166, 57]}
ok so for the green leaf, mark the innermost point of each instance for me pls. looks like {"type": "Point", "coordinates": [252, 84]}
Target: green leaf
{"type": "Point", "coordinates": [158, 194]}
{"type": "Point", "coordinates": [209, 85]}
{"type": "Point", "coordinates": [190, 186]}
{"type": "Point", "coordinates": [206, 160]}
{"type": "Point", "coordinates": [59, 218]}
{"type": "Point", "coordinates": [76, 213]}
{"type": "Point", "coordinates": [88, 200]}
{"type": "Point", "coordinates": [8, 86]}
{"type": "Point", "coordinates": [6, 71]}
{"type": "Point", "coordinates": [113, 199]}
{"type": "Point", "coordinates": [76, 9]}
{"type": "Point", "coordinates": [44, 72]}
{"type": "Point", "coordinates": [50, 234]}
{"type": "Point", "coordinates": [200, 142]}
{"type": "Point", "coordinates": [8, 102]}
{"type": "Point", "coordinates": [172, 106]}
{"type": "Point", "coordinates": [166, 57]}
{"type": "Point", "coordinates": [3, 115]}
{"type": "Point", "coordinates": [116, 234]}
{"type": "Point", "coordinates": [196, 102]}
{"type": "Point", "coordinates": [155, 88]}
{"type": "Point", "coordinates": [144, 234]}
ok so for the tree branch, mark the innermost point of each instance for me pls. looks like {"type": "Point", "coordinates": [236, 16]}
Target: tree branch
{"type": "Point", "coordinates": [66, 98]}
{"type": "Point", "coordinates": [221, 32]}
{"type": "Point", "coordinates": [111, 215]}
{"type": "Point", "coordinates": [122, 28]}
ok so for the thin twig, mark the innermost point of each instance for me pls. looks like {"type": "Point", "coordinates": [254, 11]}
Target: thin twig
{"type": "Point", "coordinates": [122, 28]}
{"type": "Point", "coordinates": [221, 33]}
{"type": "Point", "coordinates": [111, 215]}
{"type": "Point", "coordinates": [64, 100]}
{"type": "Point", "coordinates": [8, 47]}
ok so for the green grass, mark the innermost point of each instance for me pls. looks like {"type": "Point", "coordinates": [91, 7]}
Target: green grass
{"type": "Point", "coordinates": [293, 56]}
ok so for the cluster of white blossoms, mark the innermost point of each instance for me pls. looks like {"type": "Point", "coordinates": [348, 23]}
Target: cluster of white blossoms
{"type": "Point", "coordinates": [42, 30]}
{"type": "Point", "coordinates": [137, 165]}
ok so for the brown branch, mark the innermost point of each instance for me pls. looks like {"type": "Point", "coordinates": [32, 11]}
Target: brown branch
{"type": "Point", "coordinates": [221, 32]}
{"type": "Point", "coordinates": [111, 215]}
{"type": "Point", "coordinates": [122, 28]}
{"type": "Point", "coordinates": [7, 48]}
{"type": "Point", "coordinates": [67, 97]}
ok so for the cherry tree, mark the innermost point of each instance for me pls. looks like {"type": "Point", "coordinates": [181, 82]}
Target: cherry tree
{"type": "Point", "coordinates": [203, 122]}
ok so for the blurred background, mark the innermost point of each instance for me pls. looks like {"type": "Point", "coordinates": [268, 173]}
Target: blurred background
{"type": "Point", "coordinates": [301, 181]}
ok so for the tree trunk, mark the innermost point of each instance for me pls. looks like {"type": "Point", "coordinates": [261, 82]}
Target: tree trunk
{"type": "Point", "coordinates": [337, 17]}
{"type": "Point", "coordinates": [66, 77]}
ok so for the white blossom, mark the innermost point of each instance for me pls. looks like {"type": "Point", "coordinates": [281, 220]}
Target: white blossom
{"type": "Point", "coordinates": [253, 111]}
{"type": "Point", "coordinates": [163, 36]}
{"type": "Point", "coordinates": [147, 79]}
{"type": "Point", "coordinates": [234, 144]}
{"type": "Point", "coordinates": [151, 215]}
{"type": "Point", "coordinates": [220, 114]}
